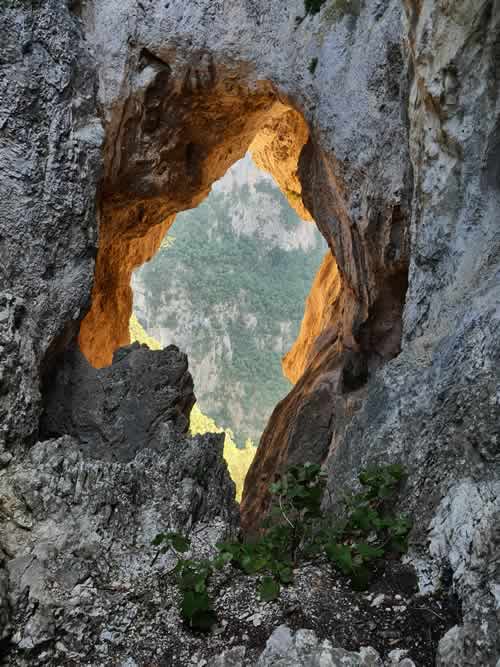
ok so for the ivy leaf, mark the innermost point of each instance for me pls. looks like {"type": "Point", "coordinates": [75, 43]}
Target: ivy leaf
{"type": "Point", "coordinates": [397, 471]}
{"type": "Point", "coordinates": [161, 537]}
{"type": "Point", "coordinates": [200, 585]}
{"type": "Point", "coordinates": [368, 552]}
{"type": "Point", "coordinates": [341, 555]}
{"type": "Point", "coordinates": [179, 542]}
{"type": "Point", "coordinates": [269, 589]}
{"type": "Point", "coordinates": [285, 574]}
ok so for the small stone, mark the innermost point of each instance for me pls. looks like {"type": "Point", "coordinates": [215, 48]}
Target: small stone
{"type": "Point", "coordinates": [379, 600]}
{"type": "Point", "coordinates": [106, 636]}
{"type": "Point", "coordinates": [5, 459]}
{"type": "Point", "coordinates": [369, 657]}
{"type": "Point", "coordinates": [396, 656]}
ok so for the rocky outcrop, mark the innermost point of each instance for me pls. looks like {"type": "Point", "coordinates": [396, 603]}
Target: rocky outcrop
{"type": "Point", "coordinates": [176, 103]}
{"type": "Point", "coordinates": [202, 109]}
{"type": "Point", "coordinates": [127, 239]}
{"type": "Point", "coordinates": [114, 412]}
{"type": "Point", "coordinates": [50, 162]}
{"type": "Point", "coordinates": [287, 649]}
{"type": "Point", "coordinates": [78, 535]}
{"type": "Point", "coordinates": [276, 149]}
{"type": "Point", "coordinates": [435, 408]}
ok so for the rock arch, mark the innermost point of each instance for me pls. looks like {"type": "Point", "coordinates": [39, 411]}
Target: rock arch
{"type": "Point", "coordinates": [167, 142]}
{"type": "Point", "coordinates": [173, 139]}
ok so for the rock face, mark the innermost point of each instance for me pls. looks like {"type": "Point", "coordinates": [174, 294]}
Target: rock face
{"type": "Point", "coordinates": [78, 536]}
{"type": "Point", "coordinates": [114, 412]}
{"type": "Point", "coordinates": [50, 161]}
{"type": "Point", "coordinates": [321, 314]}
{"type": "Point", "coordinates": [397, 165]}
{"type": "Point", "coordinates": [436, 407]}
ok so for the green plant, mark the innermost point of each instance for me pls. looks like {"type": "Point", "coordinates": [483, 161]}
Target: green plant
{"type": "Point", "coordinates": [296, 530]}
{"type": "Point", "coordinates": [192, 578]}
{"type": "Point", "coordinates": [313, 6]}
{"type": "Point", "coordinates": [196, 606]}
{"type": "Point", "coordinates": [369, 530]}
{"type": "Point", "coordinates": [312, 65]}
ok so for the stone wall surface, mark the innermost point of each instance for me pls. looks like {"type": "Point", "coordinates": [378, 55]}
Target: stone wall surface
{"type": "Point", "coordinates": [436, 407]}
{"type": "Point", "coordinates": [114, 412]}
{"type": "Point", "coordinates": [50, 162]}
{"type": "Point", "coordinates": [114, 116]}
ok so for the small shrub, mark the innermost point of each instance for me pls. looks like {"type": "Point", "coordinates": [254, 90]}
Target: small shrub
{"type": "Point", "coordinates": [296, 530]}
{"type": "Point", "coordinates": [312, 65]}
{"type": "Point", "coordinates": [196, 607]}
{"type": "Point", "coordinates": [313, 6]}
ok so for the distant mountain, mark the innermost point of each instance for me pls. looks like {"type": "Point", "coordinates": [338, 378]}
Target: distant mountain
{"type": "Point", "coordinates": [228, 287]}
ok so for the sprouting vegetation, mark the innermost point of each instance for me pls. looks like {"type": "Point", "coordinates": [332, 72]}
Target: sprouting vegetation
{"type": "Point", "coordinates": [296, 530]}
{"type": "Point", "coordinates": [312, 65]}
{"type": "Point", "coordinates": [238, 459]}
{"type": "Point", "coordinates": [313, 6]}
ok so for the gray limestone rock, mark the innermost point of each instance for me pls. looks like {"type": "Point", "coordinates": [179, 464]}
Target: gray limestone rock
{"type": "Point", "coordinates": [303, 649]}
{"type": "Point", "coordinates": [50, 163]}
{"type": "Point", "coordinates": [78, 533]}
{"type": "Point", "coordinates": [114, 412]}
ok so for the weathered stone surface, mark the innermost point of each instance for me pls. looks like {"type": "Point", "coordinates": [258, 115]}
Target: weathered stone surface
{"type": "Point", "coordinates": [18, 375]}
{"type": "Point", "coordinates": [320, 316]}
{"type": "Point", "coordinates": [114, 412]}
{"type": "Point", "coordinates": [285, 649]}
{"type": "Point", "coordinates": [178, 115]}
{"type": "Point", "coordinates": [128, 614]}
{"type": "Point", "coordinates": [50, 162]}
{"type": "Point", "coordinates": [78, 535]}
{"type": "Point", "coordinates": [436, 408]}
{"type": "Point", "coordinates": [102, 332]}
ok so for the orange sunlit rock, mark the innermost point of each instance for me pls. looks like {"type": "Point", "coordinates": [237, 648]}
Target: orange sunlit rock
{"type": "Point", "coordinates": [320, 315]}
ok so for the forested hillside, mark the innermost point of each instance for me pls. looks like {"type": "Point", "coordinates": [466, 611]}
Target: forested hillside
{"type": "Point", "coordinates": [228, 287]}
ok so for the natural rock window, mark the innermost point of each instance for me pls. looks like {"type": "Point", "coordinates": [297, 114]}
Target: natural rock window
{"type": "Point", "coordinates": [228, 286]}
{"type": "Point", "coordinates": [176, 132]}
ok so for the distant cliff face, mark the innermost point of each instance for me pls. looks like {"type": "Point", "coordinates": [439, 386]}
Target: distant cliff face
{"type": "Point", "coordinates": [229, 286]}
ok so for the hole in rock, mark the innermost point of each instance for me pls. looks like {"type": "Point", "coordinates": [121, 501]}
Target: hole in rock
{"type": "Point", "coordinates": [228, 287]}
{"type": "Point", "coordinates": [167, 144]}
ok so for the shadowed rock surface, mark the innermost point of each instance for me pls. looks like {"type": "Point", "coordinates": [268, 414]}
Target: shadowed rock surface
{"type": "Point", "coordinates": [117, 411]}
